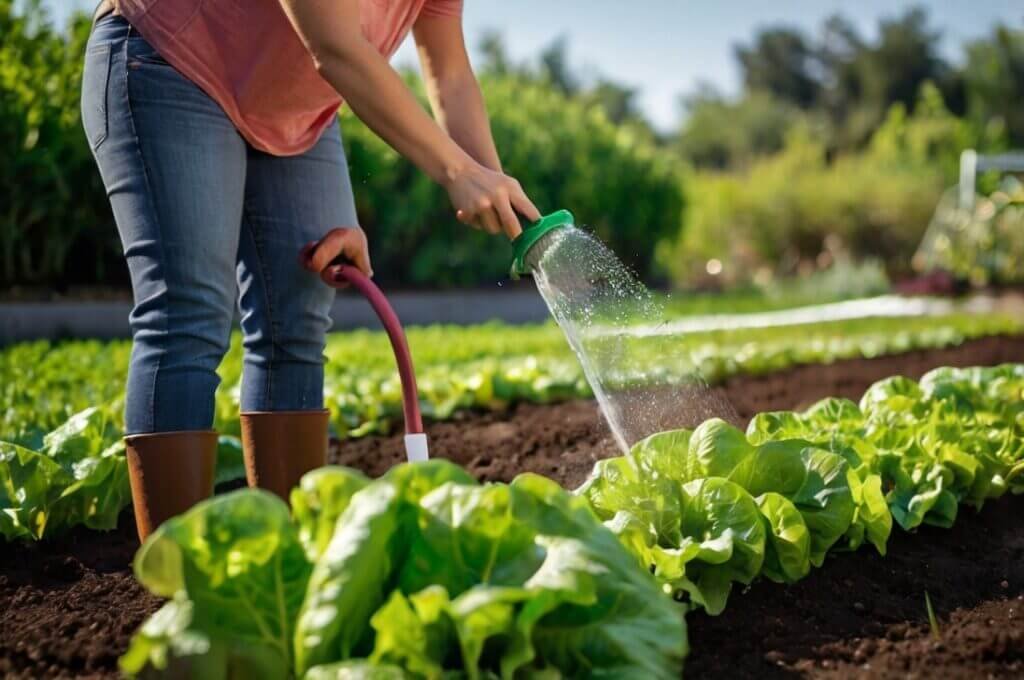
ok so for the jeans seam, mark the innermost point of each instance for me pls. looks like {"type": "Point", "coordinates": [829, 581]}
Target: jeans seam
{"type": "Point", "coordinates": [268, 306]}
{"type": "Point", "coordinates": [156, 221]}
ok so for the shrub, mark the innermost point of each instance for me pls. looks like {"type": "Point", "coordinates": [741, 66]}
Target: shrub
{"type": "Point", "coordinates": [797, 210]}
{"type": "Point", "coordinates": [564, 152]}
{"type": "Point", "coordinates": [54, 205]}
{"type": "Point", "coordinates": [56, 225]}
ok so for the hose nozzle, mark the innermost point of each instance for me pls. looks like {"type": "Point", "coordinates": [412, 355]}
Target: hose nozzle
{"type": "Point", "coordinates": [527, 247]}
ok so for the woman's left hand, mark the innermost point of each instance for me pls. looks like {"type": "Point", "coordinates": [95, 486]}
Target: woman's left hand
{"type": "Point", "coordinates": [347, 242]}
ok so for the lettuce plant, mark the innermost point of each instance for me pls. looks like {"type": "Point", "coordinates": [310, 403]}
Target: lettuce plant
{"type": "Point", "coordinates": [786, 502]}
{"type": "Point", "coordinates": [78, 476]}
{"type": "Point", "coordinates": [957, 436]}
{"type": "Point", "coordinates": [422, 573]}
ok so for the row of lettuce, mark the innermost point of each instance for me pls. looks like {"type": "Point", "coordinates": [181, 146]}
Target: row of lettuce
{"type": "Point", "coordinates": [488, 366]}
{"type": "Point", "coordinates": [62, 463]}
{"type": "Point", "coordinates": [707, 508]}
{"type": "Point", "coordinates": [426, 573]}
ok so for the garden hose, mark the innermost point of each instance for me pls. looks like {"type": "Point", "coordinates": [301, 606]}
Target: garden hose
{"type": "Point", "coordinates": [415, 439]}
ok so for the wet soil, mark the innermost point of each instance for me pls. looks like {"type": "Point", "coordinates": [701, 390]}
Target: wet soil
{"type": "Point", "coordinates": [564, 441]}
{"type": "Point", "coordinates": [69, 606]}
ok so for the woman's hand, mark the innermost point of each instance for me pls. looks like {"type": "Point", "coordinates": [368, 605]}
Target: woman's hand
{"type": "Point", "coordinates": [489, 200]}
{"type": "Point", "coordinates": [347, 242]}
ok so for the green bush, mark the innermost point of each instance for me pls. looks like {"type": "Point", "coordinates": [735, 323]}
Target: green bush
{"type": "Point", "coordinates": [797, 211]}
{"type": "Point", "coordinates": [794, 212]}
{"type": "Point", "coordinates": [56, 226]}
{"type": "Point", "coordinates": [982, 244]}
{"type": "Point", "coordinates": [55, 222]}
{"type": "Point", "coordinates": [565, 153]}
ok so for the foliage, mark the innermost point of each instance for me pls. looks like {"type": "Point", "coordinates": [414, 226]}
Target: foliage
{"type": "Point", "coordinates": [757, 126]}
{"type": "Point", "coordinates": [795, 212]}
{"type": "Point", "coordinates": [844, 83]}
{"type": "Point", "coordinates": [423, 571]}
{"type": "Point", "coordinates": [741, 510]}
{"type": "Point", "coordinates": [562, 150]}
{"type": "Point", "coordinates": [954, 437]}
{"type": "Point", "coordinates": [55, 221]}
{"type": "Point", "coordinates": [44, 387]}
{"type": "Point", "coordinates": [993, 80]}
{"type": "Point", "coordinates": [57, 229]}
{"type": "Point", "coordinates": [78, 477]}
{"type": "Point", "coordinates": [982, 244]}
{"type": "Point", "coordinates": [707, 508]}
{"type": "Point", "coordinates": [42, 384]}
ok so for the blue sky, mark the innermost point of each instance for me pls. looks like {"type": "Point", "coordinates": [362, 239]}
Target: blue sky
{"type": "Point", "coordinates": [666, 47]}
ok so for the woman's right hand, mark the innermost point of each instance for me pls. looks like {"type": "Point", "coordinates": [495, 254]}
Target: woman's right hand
{"type": "Point", "coordinates": [489, 200]}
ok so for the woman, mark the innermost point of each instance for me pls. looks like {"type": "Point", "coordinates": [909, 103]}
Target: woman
{"type": "Point", "coordinates": [214, 126]}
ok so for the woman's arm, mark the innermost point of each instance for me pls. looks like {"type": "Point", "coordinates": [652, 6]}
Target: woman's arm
{"type": "Point", "coordinates": [331, 32]}
{"type": "Point", "coordinates": [453, 89]}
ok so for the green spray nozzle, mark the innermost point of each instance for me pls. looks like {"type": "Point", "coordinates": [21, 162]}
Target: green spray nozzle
{"type": "Point", "coordinates": [534, 233]}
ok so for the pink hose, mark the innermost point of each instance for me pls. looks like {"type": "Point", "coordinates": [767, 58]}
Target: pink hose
{"type": "Point", "coordinates": [373, 294]}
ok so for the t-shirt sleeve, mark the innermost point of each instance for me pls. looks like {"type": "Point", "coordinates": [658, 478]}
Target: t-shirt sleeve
{"type": "Point", "coordinates": [442, 8]}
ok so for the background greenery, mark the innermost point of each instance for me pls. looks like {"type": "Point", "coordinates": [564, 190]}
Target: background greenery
{"type": "Point", "coordinates": [836, 151]}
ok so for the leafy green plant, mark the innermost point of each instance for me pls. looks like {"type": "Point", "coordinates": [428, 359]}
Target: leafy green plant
{"type": "Point", "coordinates": [707, 508]}
{"type": "Point", "coordinates": [786, 502]}
{"type": "Point", "coordinates": [955, 437]}
{"type": "Point", "coordinates": [422, 572]}
{"type": "Point", "coordinates": [79, 476]}
{"type": "Point", "coordinates": [983, 244]}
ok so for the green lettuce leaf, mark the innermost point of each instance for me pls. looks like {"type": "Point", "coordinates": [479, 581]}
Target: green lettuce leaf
{"type": "Point", "coordinates": [320, 499]}
{"type": "Point", "coordinates": [813, 479]}
{"type": "Point", "coordinates": [422, 573]}
{"type": "Point", "coordinates": [788, 549]}
{"type": "Point", "coordinates": [236, 562]}
{"type": "Point", "coordinates": [30, 485]}
{"type": "Point", "coordinates": [79, 476]}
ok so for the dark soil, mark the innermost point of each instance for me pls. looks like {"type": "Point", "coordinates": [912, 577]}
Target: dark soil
{"type": "Point", "coordinates": [69, 606]}
{"type": "Point", "coordinates": [865, 615]}
{"type": "Point", "coordinates": [564, 441]}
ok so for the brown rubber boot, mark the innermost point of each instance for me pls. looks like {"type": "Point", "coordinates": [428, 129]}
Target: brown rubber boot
{"type": "Point", "coordinates": [281, 446]}
{"type": "Point", "coordinates": [169, 472]}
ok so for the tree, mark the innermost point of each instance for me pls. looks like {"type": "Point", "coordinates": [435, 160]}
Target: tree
{"type": "Point", "coordinates": [495, 56]}
{"type": "Point", "coordinates": [994, 80]}
{"type": "Point", "coordinates": [781, 62]}
{"type": "Point", "coordinates": [757, 125]}
{"type": "Point", "coordinates": [555, 69]}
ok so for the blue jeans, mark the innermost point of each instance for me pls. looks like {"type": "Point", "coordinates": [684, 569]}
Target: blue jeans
{"type": "Point", "coordinates": [205, 220]}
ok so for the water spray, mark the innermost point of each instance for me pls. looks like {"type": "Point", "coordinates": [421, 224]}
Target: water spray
{"type": "Point", "coordinates": [644, 382]}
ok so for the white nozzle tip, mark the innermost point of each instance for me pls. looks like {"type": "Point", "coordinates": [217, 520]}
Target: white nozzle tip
{"type": "Point", "coordinates": [416, 447]}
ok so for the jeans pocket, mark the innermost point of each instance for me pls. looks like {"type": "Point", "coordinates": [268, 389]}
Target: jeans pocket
{"type": "Point", "coordinates": [141, 52]}
{"type": "Point", "coordinates": [95, 84]}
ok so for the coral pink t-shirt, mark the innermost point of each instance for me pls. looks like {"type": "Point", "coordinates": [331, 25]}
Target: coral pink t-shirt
{"type": "Point", "coordinates": [246, 56]}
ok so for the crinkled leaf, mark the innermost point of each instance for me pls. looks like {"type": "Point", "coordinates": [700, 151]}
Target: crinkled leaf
{"type": "Point", "coordinates": [30, 485]}
{"type": "Point", "coordinates": [238, 561]}
{"type": "Point", "coordinates": [788, 547]}
{"type": "Point", "coordinates": [320, 499]}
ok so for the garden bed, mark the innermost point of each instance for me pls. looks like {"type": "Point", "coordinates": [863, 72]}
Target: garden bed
{"type": "Point", "coordinates": [68, 606]}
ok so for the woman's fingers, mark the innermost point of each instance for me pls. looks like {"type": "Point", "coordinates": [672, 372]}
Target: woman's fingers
{"type": "Point", "coordinates": [349, 243]}
{"type": "Point", "coordinates": [489, 220]}
{"type": "Point", "coordinates": [509, 219]}
{"type": "Point", "coordinates": [523, 205]}
{"type": "Point", "coordinates": [331, 276]}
